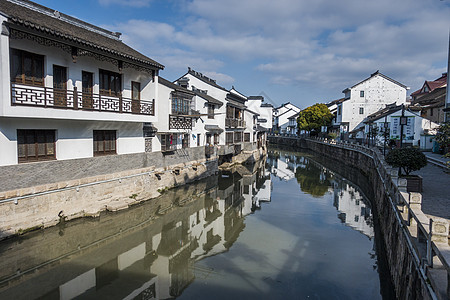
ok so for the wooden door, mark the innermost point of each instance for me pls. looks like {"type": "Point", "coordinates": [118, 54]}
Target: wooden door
{"type": "Point", "coordinates": [135, 97]}
{"type": "Point", "coordinates": [60, 86]}
{"type": "Point", "coordinates": [87, 90]}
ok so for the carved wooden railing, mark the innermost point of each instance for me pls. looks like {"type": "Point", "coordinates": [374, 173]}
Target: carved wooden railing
{"type": "Point", "coordinates": [47, 97]}
{"type": "Point", "coordinates": [229, 122]}
{"type": "Point", "coordinates": [180, 122]}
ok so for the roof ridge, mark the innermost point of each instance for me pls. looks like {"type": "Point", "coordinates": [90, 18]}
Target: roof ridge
{"type": "Point", "coordinates": [66, 18]}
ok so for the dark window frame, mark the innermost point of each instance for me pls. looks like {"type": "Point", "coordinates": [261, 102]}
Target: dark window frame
{"type": "Point", "coordinates": [229, 138]}
{"type": "Point", "coordinates": [361, 94]}
{"type": "Point", "coordinates": [180, 105]}
{"type": "Point", "coordinates": [18, 67]}
{"type": "Point", "coordinates": [246, 137]}
{"type": "Point", "coordinates": [27, 139]}
{"type": "Point", "coordinates": [211, 111]}
{"type": "Point", "coordinates": [361, 110]}
{"type": "Point", "coordinates": [110, 83]}
{"type": "Point", "coordinates": [105, 142]}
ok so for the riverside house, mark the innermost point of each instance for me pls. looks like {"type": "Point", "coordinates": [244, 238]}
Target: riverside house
{"type": "Point", "coordinates": [365, 98]}
{"type": "Point", "coordinates": [70, 89]}
{"type": "Point", "coordinates": [229, 117]}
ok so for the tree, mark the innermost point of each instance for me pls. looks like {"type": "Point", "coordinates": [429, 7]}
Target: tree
{"type": "Point", "coordinates": [407, 159]}
{"type": "Point", "coordinates": [313, 117]}
{"type": "Point", "coordinates": [443, 136]}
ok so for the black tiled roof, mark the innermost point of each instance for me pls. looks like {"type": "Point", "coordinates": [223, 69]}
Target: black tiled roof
{"type": "Point", "coordinates": [209, 99]}
{"type": "Point", "coordinates": [44, 21]}
{"type": "Point", "coordinates": [174, 86]}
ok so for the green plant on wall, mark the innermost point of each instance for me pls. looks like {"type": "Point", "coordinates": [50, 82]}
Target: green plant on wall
{"type": "Point", "coordinates": [407, 159]}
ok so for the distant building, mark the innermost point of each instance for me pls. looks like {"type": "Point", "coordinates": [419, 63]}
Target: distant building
{"type": "Point", "coordinates": [281, 116]}
{"type": "Point", "coordinates": [428, 87]}
{"type": "Point", "coordinates": [365, 98]}
{"type": "Point", "coordinates": [386, 123]}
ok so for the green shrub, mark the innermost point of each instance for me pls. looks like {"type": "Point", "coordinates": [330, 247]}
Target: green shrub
{"type": "Point", "coordinates": [407, 159]}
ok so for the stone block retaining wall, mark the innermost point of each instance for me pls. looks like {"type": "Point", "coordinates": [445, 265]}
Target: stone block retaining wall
{"type": "Point", "coordinates": [416, 251]}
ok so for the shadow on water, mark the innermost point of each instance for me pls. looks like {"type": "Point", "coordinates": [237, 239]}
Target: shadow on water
{"type": "Point", "coordinates": [193, 242]}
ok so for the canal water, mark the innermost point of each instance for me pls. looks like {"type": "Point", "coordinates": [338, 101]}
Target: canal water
{"type": "Point", "coordinates": [290, 227]}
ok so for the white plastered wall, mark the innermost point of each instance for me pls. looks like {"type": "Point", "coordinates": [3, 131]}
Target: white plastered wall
{"type": "Point", "coordinates": [74, 139]}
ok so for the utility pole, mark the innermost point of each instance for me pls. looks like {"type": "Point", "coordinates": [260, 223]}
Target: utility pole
{"type": "Point", "coordinates": [447, 97]}
{"type": "Point", "coordinates": [385, 132]}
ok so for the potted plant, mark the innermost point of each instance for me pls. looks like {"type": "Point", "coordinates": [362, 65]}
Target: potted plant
{"type": "Point", "coordinates": [408, 160]}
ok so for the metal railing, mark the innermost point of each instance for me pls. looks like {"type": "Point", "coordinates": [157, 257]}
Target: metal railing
{"type": "Point", "coordinates": [427, 238]}
{"type": "Point", "coordinates": [47, 97]}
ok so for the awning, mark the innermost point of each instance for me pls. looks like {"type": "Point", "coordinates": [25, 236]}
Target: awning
{"type": "Point", "coordinates": [261, 129]}
{"type": "Point", "coordinates": [213, 128]}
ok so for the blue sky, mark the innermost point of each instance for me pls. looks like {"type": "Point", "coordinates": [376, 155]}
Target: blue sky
{"type": "Point", "coordinates": [290, 50]}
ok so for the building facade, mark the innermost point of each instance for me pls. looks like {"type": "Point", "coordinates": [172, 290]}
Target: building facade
{"type": "Point", "coordinates": [67, 95]}
{"type": "Point", "coordinates": [367, 97]}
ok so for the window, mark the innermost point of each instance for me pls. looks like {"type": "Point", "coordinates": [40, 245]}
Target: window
{"type": "Point", "coordinates": [431, 112]}
{"type": "Point", "coordinates": [210, 111]}
{"type": "Point", "coordinates": [168, 142]}
{"type": "Point", "coordinates": [247, 137]}
{"type": "Point", "coordinates": [216, 139]}
{"type": "Point", "coordinates": [104, 142]}
{"type": "Point", "coordinates": [339, 110]}
{"type": "Point", "coordinates": [35, 145]}
{"type": "Point", "coordinates": [180, 106]}
{"type": "Point", "coordinates": [110, 83]}
{"type": "Point", "coordinates": [87, 83]}
{"type": "Point", "coordinates": [136, 97]}
{"type": "Point", "coordinates": [361, 93]}
{"type": "Point", "coordinates": [60, 85]}
{"type": "Point", "coordinates": [27, 68]}
{"type": "Point", "coordinates": [229, 138]}
{"type": "Point", "coordinates": [361, 110]}
{"type": "Point", "coordinates": [238, 137]}
{"type": "Point", "coordinates": [230, 112]}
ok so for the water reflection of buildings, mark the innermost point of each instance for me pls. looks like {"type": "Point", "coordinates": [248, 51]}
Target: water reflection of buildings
{"type": "Point", "coordinates": [138, 253]}
{"type": "Point", "coordinates": [353, 208]}
{"type": "Point", "coordinates": [317, 180]}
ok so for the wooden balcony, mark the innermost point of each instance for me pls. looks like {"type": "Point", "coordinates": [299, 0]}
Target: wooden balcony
{"type": "Point", "coordinates": [234, 123]}
{"type": "Point", "coordinates": [180, 122]}
{"type": "Point", "coordinates": [46, 97]}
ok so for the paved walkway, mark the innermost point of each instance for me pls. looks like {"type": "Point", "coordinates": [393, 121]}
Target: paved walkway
{"type": "Point", "coordinates": [436, 188]}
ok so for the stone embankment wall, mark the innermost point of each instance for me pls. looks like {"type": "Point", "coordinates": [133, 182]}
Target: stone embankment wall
{"type": "Point", "coordinates": [42, 194]}
{"type": "Point", "coordinates": [410, 242]}
{"type": "Point", "coordinates": [58, 190]}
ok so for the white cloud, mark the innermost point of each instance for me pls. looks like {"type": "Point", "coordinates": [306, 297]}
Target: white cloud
{"type": "Point", "coordinates": [133, 3]}
{"type": "Point", "coordinates": [314, 44]}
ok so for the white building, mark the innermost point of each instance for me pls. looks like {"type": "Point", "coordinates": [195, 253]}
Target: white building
{"type": "Point", "coordinates": [265, 110]}
{"type": "Point", "coordinates": [69, 89]}
{"type": "Point", "coordinates": [418, 130]}
{"type": "Point", "coordinates": [292, 127]}
{"type": "Point", "coordinates": [281, 116]}
{"type": "Point", "coordinates": [367, 97]}
{"type": "Point", "coordinates": [175, 117]}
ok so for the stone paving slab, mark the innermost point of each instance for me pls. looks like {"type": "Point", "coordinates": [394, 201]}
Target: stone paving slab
{"type": "Point", "coordinates": [436, 191]}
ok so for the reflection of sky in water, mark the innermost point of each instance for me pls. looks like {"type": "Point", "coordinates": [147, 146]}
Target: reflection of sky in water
{"type": "Point", "coordinates": [252, 236]}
